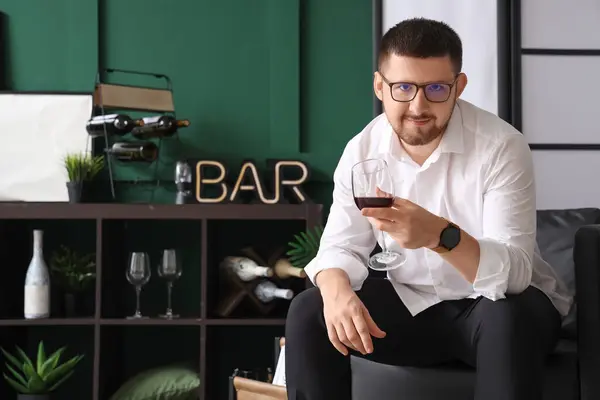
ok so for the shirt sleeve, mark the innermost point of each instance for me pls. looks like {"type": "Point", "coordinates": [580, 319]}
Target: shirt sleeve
{"type": "Point", "coordinates": [348, 237]}
{"type": "Point", "coordinates": [509, 222]}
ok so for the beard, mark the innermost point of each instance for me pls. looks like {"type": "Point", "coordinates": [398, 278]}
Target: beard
{"type": "Point", "coordinates": [419, 135]}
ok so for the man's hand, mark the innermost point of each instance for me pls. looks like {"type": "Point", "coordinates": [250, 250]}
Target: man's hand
{"type": "Point", "coordinates": [410, 225]}
{"type": "Point", "coordinates": [349, 324]}
{"type": "Point", "coordinates": [413, 227]}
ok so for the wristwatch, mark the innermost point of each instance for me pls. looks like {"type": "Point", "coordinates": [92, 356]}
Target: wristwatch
{"type": "Point", "coordinates": [449, 238]}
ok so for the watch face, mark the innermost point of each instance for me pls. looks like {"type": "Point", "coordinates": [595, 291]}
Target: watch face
{"type": "Point", "coordinates": [450, 237]}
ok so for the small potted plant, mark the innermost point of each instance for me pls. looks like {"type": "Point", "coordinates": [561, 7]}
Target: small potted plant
{"type": "Point", "coordinates": [37, 380]}
{"type": "Point", "coordinates": [81, 169]}
{"type": "Point", "coordinates": [305, 247]}
{"type": "Point", "coordinates": [73, 272]}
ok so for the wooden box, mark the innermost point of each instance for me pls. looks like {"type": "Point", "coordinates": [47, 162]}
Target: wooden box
{"type": "Point", "coordinates": [249, 389]}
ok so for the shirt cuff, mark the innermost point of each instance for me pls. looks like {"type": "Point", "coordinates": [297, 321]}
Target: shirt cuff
{"type": "Point", "coordinates": [491, 280]}
{"type": "Point", "coordinates": [356, 269]}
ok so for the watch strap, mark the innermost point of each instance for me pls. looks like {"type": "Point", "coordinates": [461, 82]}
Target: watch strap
{"type": "Point", "coordinates": [440, 249]}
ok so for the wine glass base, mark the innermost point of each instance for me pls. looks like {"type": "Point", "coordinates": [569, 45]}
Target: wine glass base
{"type": "Point", "coordinates": [136, 317]}
{"type": "Point", "coordinates": [168, 316]}
{"type": "Point", "coordinates": [386, 261]}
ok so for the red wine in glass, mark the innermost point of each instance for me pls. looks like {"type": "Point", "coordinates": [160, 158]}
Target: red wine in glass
{"type": "Point", "coordinates": [373, 202]}
{"type": "Point", "coordinates": [373, 187]}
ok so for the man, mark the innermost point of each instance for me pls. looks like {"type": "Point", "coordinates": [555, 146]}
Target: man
{"type": "Point", "coordinates": [474, 287]}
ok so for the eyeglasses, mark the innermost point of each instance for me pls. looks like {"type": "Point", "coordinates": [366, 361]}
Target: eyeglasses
{"type": "Point", "coordinates": [403, 92]}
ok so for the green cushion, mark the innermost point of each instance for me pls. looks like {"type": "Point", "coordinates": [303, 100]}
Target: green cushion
{"type": "Point", "coordinates": [172, 382]}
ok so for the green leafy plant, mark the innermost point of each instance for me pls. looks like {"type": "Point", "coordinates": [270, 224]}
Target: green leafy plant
{"type": "Point", "coordinates": [305, 246]}
{"type": "Point", "coordinates": [83, 167]}
{"type": "Point", "coordinates": [43, 376]}
{"type": "Point", "coordinates": [74, 271]}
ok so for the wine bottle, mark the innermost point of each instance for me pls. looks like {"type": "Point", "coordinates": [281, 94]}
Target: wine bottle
{"type": "Point", "coordinates": [266, 291]}
{"type": "Point", "coordinates": [37, 282]}
{"type": "Point", "coordinates": [159, 126]}
{"type": "Point", "coordinates": [284, 269]}
{"type": "Point", "coordinates": [245, 268]}
{"type": "Point", "coordinates": [135, 151]}
{"type": "Point", "coordinates": [116, 124]}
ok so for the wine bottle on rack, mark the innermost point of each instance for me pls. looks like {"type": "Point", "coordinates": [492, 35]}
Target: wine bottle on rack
{"type": "Point", "coordinates": [267, 291]}
{"type": "Point", "coordinates": [245, 268]}
{"type": "Point", "coordinates": [159, 126]}
{"type": "Point", "coordinates": [134, 151]}
{"type": "Point", "coordinates": [284, 269]}
{"type": "Point", "coordinates": [115, 124]}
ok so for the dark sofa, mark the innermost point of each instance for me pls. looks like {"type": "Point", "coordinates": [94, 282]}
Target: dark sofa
{"type": "Point", "coordinates": [570, 241]}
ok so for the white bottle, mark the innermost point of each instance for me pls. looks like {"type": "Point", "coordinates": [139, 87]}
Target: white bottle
{"type": "Point", "coordinates": [266, 291]}
{"type": "Point", "coordinates": [37, 281]}
{"type": "Point", "coordinates": [245, 268]}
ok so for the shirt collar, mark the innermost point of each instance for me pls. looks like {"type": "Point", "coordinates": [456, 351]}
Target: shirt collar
{"type": "Point", "coordinates": [452, 140]}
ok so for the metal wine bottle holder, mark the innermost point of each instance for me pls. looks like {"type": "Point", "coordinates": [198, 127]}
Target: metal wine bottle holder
{"type": "Point", "coordinates": [112, 96]}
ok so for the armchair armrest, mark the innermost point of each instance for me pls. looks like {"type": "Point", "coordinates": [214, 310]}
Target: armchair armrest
{"type": "Point", "coordinates": [586, 255]}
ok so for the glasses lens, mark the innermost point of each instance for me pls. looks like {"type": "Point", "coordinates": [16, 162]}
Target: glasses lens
{"type": "Point", "coordinates": [403, 91]}
{"type": "Point", "coordinates": [437, 92]}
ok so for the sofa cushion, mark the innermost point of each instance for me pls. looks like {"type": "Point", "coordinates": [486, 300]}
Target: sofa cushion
{"type": "Point", "coordinates": [556, 238]}
{"type": "Point", "coordinates": [170, 382]}
{"type": "Point", "coordinates": [371, 380]}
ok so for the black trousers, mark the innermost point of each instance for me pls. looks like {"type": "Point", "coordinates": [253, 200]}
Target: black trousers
{"type": "Point", "coordinates": [505, 340]}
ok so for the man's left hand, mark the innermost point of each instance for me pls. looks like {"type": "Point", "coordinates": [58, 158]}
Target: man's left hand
{"type": "Point", "coordinates": [410, 225]}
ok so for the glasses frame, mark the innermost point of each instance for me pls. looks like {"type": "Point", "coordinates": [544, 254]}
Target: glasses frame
{"type": "Point", "coordinates": [419, 87]}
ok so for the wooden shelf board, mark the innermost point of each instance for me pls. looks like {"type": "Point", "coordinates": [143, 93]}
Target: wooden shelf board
{"type": "Point", "coordinates": [152, 321]}
{"type": "Point", "coordinates": [58, 210]}
{"type": "Point", "coordinates": [245, 321]}
{"type": "Point", "coordinates": [48, 322]}
{"type": "Point", "coordinates": [146, 322]}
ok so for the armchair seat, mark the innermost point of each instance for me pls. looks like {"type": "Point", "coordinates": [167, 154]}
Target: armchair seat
{"type": "Point", "coordinates": [569, 240]}
{"type": "Point", "coordinates": [371, 380]}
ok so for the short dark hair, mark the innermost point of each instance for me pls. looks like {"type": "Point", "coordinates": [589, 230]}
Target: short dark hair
{"type": "Point", "coordinates": [422, 38]}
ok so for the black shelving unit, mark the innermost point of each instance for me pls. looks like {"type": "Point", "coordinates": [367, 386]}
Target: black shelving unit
{"type": "Point", "coordinates": [213, 345]}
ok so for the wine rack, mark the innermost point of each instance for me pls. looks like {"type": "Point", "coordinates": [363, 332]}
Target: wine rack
{"type": "Point", "coordinates": [117, 348]}
{"type": "Point", "coordinates": [109, 98]}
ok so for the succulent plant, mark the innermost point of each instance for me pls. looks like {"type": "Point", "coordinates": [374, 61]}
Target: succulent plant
{"type": "Point", "coordinates": [43, 376]}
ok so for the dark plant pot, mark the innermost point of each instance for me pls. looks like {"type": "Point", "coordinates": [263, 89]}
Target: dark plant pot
{"type": "Point", "coordinates": [76, 304]}
{"type": "Point", "coordinates": [72, 305]}
{"type": "Point", "coordinates": [33, 397]}
{"type": "Point", "coordinates": [75, 189]}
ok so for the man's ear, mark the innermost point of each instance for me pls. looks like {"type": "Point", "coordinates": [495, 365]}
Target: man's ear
{"type": "Point", "coordinates": [378, 85]}
{"type": "Point", "coordinates": [461, 84]}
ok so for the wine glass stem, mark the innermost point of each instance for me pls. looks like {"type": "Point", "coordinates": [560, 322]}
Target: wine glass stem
{"type": "Point", "coordinates": [138, 289]}
{"type": "Point", "coordinates": [169, 291]}
{"type": "Point", "coordinates": [383, 246]}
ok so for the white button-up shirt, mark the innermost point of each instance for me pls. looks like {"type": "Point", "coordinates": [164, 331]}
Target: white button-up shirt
{"type": "Point", "coordinates": [481, 178]}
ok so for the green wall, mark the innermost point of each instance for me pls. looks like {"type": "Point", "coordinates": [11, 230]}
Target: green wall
{"type": "Point", "coordinates": [259, 79]}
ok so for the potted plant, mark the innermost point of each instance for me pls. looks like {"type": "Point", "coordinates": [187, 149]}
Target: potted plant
{"type": "Point", "coordinates": [36, 380]}
{"type": "Point", "coordinates": [74, 272]}
{"type": "Point", "coordinates": [81, 168]}
{"type": "Point", "coordinates": [305, 246]}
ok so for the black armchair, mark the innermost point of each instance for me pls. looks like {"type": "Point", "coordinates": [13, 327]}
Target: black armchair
{"type": "Point", "coordinates": [570, 241]}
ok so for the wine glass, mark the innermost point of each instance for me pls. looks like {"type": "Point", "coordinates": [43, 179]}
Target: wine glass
{"type": "Point", "coordinates": [372, 186]}
{"type": "Point", "coordinates": [169, 269]}
{"type": "Point", "coordinates": [138, 274]}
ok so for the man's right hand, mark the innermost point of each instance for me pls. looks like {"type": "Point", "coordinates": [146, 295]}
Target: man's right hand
{"type": "Point", "coordinates": [349, 324]}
